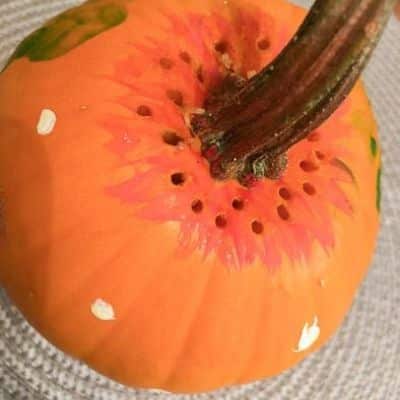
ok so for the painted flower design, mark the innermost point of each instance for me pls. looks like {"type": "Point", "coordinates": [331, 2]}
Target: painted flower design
{"type": "Point", "coordinates": [170, 181]}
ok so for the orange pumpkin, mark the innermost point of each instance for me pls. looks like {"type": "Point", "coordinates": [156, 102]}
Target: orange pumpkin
{"type": "Point", "coordinates": [115, 241]}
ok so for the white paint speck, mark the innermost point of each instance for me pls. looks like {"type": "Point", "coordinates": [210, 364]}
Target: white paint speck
{"type": "Point", "coordinates": [309, 336]}
{"type": "Point", "coordinates": [103, 310]}
{"type": "Point", "coordinates": [47, 122]}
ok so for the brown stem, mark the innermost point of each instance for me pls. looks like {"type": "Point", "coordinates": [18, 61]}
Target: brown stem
{"type": "Point", "coordinates": [246, 131]}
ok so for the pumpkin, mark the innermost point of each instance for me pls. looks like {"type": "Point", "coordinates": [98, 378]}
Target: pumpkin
{"type": "Point", "coordinates": [117, 243]}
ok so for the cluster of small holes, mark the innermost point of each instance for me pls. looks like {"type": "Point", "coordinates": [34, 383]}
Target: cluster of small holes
{"type": "Point", "coordinates": [144, 111]}
{"type": "Point", "coordinates": [238, 204]}
{"type": "Point", "coordinates": [178, 179]}
{"type": "Point", "coordinates": [172, 139]}
{"type": "Point", "coordinates": [175, 96]}
{"type": "Point", "coordinates": [257, 226]}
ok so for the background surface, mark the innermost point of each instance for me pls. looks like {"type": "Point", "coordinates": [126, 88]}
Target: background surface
{"type": "Point", "coordinates": [362, 362]}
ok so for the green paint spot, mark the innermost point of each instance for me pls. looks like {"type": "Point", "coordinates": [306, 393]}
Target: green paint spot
{"type": "Point", "coordinates": [378, 189]}
{"type": "Point", "coordinates": [71, 29]}
{"type": "Point", "coordinates": [374, 146]}
{"type": "Point", "coordinates": [112, 15]}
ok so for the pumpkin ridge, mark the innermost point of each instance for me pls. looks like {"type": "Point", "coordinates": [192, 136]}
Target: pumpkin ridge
{"type": "Point", "coordinates": [188, 333]}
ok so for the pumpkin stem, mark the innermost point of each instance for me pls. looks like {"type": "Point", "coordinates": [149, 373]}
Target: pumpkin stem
{"type": "Point", "coordinates": [248, 126]}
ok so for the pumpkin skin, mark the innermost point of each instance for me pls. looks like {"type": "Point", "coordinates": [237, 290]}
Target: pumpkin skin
{"type": "Point", "coordinates": [90, 211]}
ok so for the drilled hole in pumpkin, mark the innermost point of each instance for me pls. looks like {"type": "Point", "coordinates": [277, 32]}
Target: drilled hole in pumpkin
{"type": "Point", "coordinates": [144, 111]}
{"type": "Point", "coordinates": [200, 75]}
{"type": "Point", "coordinates": [257, 227]}
{"type": "Point", "coordinates": [264, 44]}
{"type": "Point", "coordinates": [283, 212]}
{"type": "Point", "coordinates": [172, 138]}
{"type": "Point", "coordinates": [313, 137]}
{"type": "Point", "coordinates": [309, 189]}
{"type": "Point", "coordinates": [175, 96]}
{"type": "Point", "coordinates": [221, 46]}
{"type": "Point", "coordinates": [220, 221]}
{"type": "Point", "coordinates": [238, 204]}
{"type": "Point", "coordinates": [308, 166]}
{"type": "Point", "coordinates": [285, 194]}
{"type": "Point", "coordinates": [178, 179]}
{"type": "Point", "coordinates": [166, 63]}
{"type": "Point", "coordinates": [197, 206]}
{"type": "Point", "coordinates": [185, 57]}
{"type": "Point", "coordinates": [320, 155]}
